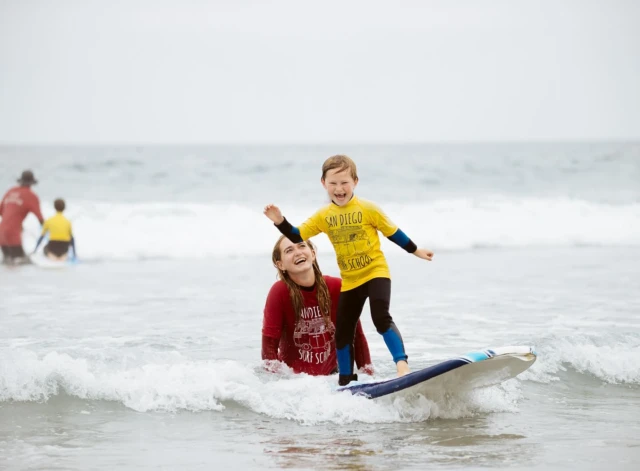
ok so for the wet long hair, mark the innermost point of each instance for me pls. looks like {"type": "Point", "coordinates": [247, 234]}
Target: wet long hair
{"type": "Point", "coordinates": [295, 293]}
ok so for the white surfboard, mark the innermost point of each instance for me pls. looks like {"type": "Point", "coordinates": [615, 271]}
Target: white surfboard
{"type": "Point", "coordinates": [473, 370]}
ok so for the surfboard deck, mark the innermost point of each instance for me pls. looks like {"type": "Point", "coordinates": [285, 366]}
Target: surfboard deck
{"type": "Point", "coordinates": [473, 370]}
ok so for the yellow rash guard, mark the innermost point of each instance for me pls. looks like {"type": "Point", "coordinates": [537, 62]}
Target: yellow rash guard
{"type": "Point", "coordinates": [353, 231]}
{"type": "Point", "coordinates": [59, 228]}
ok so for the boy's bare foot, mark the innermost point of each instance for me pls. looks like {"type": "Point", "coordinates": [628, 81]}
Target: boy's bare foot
{"type": "Point", "coordinates": [403, 368]}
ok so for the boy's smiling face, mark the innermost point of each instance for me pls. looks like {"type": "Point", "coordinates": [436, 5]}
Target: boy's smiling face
{"type": "Point", "coordinates": [339, 185]}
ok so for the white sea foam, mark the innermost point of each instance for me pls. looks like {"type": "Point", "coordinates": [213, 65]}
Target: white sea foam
{"type": "Point", "coordinates": [197, 385]}
{"type": "Point", "coordinates": [210, 385]}
{"type": "Point", "coordinates": [611, 358]}
{"type": "Point", "coordinates": [107, 231]}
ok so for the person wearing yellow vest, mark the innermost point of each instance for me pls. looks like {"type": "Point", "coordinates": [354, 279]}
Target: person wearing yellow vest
{"type": "Point", "coordinates": [60, 234]}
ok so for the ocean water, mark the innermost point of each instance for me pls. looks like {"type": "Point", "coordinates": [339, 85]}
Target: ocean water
{"type": "Point", "coordinates": [146, 355]}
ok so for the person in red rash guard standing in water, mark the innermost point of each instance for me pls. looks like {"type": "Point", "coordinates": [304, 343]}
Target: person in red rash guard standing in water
{"type": "Point", "coordinates": [298, 327]}
{"type": "Point", "coordinates": [14, 207]}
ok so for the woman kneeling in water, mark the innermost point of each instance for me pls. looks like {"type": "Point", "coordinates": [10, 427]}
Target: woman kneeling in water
{"type": "Point", "coordinates": [298, 327]}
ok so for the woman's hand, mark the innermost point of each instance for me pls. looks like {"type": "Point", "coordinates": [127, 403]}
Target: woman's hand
{"type": "Point", "coordinates": [367, 369]}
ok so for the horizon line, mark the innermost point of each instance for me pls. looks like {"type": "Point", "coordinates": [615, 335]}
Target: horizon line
{"type": "Point", "coordinates": [317, 143]}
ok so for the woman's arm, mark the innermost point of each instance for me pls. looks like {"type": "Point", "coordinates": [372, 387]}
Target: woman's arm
{"type": "Point", "coordinates": [361, 351]}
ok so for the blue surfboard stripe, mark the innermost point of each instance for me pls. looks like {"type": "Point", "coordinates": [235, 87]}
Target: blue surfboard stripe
{"type": "Point", "coordinates": [382, 388]}
{"type": "Point", "coordinates": [477, 356]}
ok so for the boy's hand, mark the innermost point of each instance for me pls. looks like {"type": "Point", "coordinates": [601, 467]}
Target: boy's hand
{"type": "Point", "coordinates": [273, 213]}
{"type": "Point", "coordinates": [424, 254]}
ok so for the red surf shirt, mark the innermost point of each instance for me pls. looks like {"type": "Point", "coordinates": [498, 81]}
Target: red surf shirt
{"type": "Point", "coordinates": [14, 207]}
{"type": "Point", "coordinates": [310, 346]}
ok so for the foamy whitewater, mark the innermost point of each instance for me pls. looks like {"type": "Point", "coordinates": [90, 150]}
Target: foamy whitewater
{"type": "Point", "coordinates": [146, 355]}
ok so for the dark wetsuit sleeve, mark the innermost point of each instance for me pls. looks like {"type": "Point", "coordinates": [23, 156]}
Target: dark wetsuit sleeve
{"type": "Point", "coordinates": [361, 348]}
{"type": "Point", "coordinates": [401, 239]}
{"type": "Point", "coordinates": [269, 348]}
{"type": "Point", "coordinates": [292, 233]}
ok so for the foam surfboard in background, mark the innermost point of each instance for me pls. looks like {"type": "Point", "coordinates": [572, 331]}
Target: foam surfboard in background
{"type": "Point", "coordinates": [43, 261]}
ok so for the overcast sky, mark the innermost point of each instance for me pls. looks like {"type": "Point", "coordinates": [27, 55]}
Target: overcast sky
{"type": "Point", "coordinates": [240, 71]}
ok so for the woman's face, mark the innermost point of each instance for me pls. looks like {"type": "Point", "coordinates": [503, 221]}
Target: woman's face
{"type": "Point", "coordinates": [295, 258]}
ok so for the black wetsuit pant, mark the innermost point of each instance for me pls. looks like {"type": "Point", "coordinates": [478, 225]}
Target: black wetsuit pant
{"type": "Point", "coordinates": [57, 248]}
{"type": "Point", "coordinates": [378, 291]}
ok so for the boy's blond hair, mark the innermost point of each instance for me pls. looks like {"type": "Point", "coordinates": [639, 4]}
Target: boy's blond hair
{"type": "Point", "coordinates": [340, 162]}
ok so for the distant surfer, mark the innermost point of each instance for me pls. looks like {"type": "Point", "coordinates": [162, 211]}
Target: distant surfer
{"type": "Point", "coordinates": [298, 327]}
{"type": "Point", "coordinates": [16, 204]}
{"type": "Point", "coordinates": [60, 234]}
{"type": "Point", "coordinates": [352, 225]}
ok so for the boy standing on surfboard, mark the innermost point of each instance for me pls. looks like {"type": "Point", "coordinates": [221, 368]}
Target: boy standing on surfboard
{"type": "Point", "coordinates": [352, 225]}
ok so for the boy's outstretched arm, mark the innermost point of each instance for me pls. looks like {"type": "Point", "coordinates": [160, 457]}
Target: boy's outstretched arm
{"type": "Point", "coordinates": [284, 226]}
{"type": "Point", "coordinates": [401, 239]}
{"type": "Point", "coordinates": [273, 213]}
{"type": "Point", "coordinates": [424, 254]}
